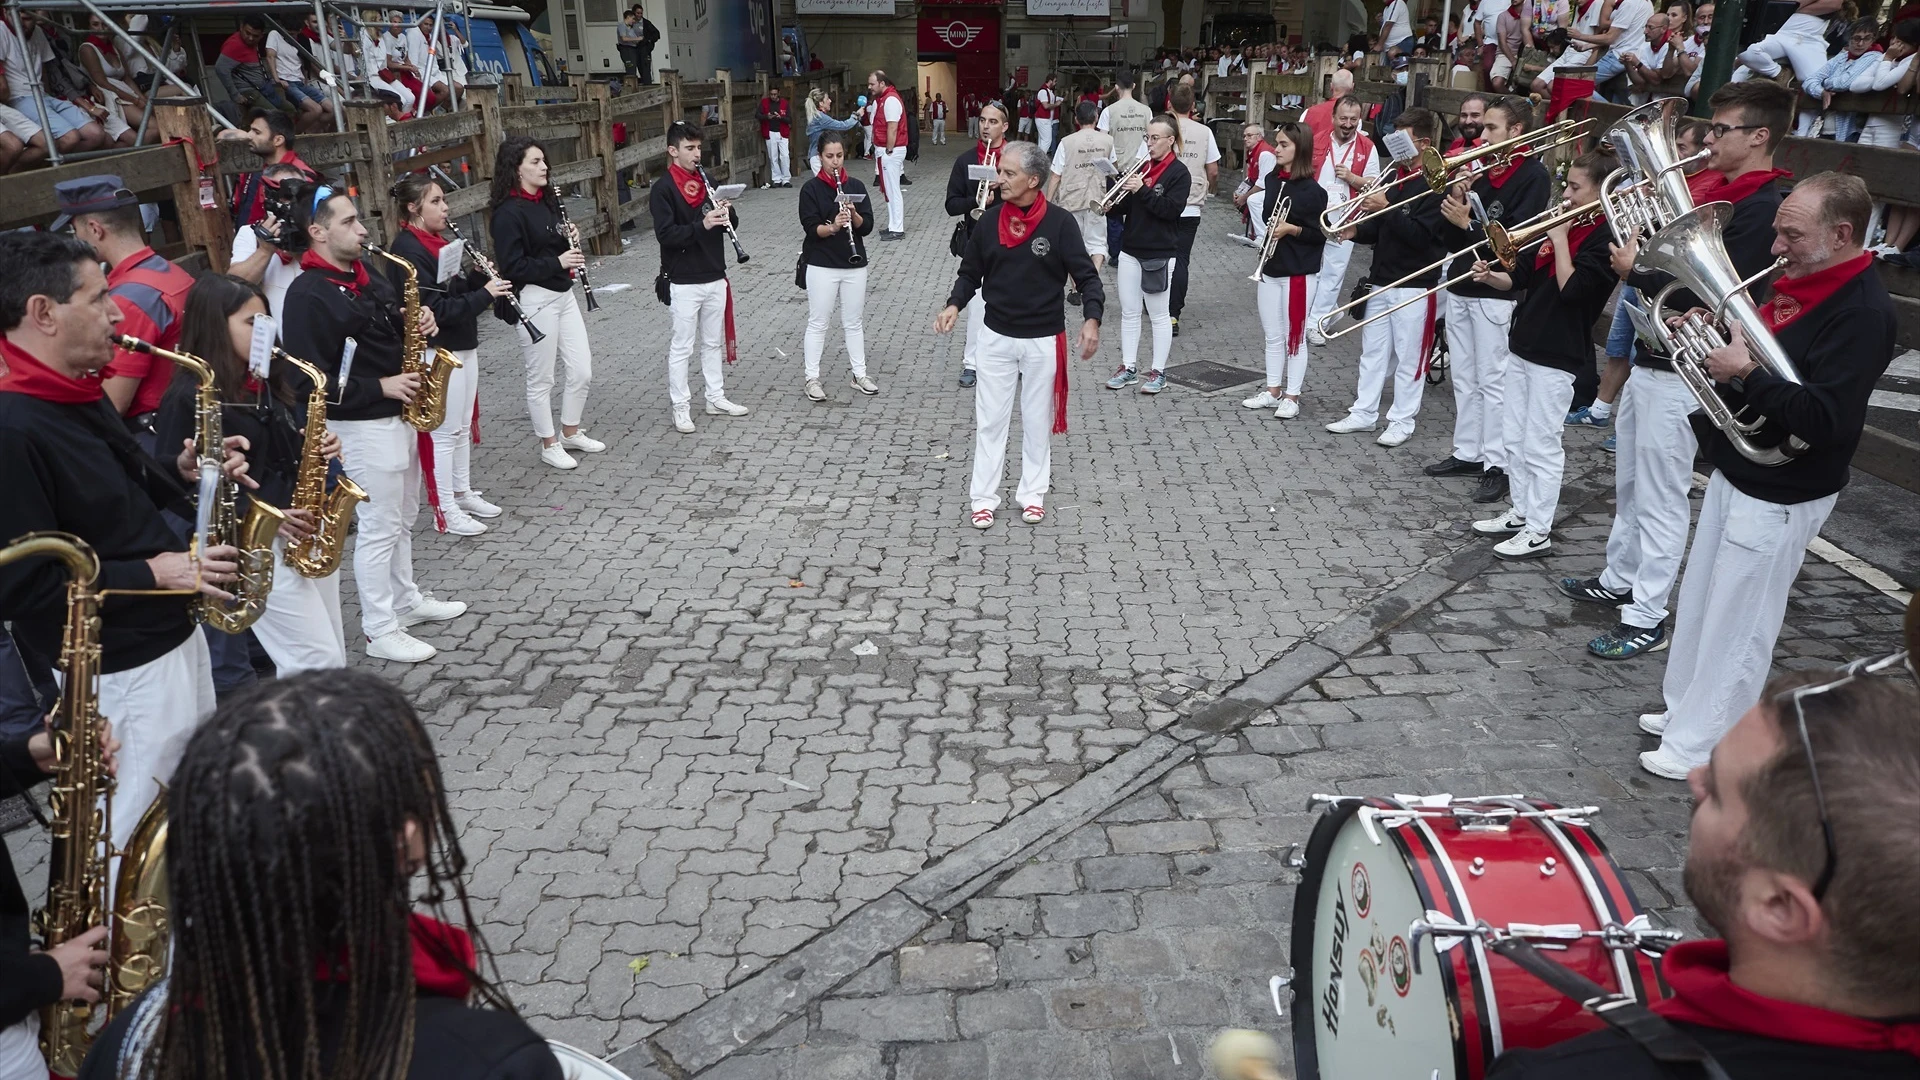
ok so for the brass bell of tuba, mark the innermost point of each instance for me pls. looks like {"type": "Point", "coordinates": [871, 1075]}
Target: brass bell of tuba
{"type": "Point", "coordinates": [428, 409]}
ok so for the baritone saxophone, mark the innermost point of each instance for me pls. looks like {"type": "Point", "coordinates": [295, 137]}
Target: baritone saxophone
{"type": "Point", "coordinates": [319, 554]}
{"type": "Point", "coordinates": [428, 409]}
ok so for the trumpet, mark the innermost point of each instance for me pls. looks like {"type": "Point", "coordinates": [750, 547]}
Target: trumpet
{"type": "Point", "coordinates": [1272, 242]}
{"type": "Point", "coordinates": [1442, 172]}
{"type": "Point", "coordinates": [739, 253]}
{"type": "Point", "coordinates": [573, 240]}
{"type": "Point", "coordinates": [485, 266]}
{"type": "Point", "coordinates": [1119, 189]}
{"type": "Point", "coordinates": [984, 194]}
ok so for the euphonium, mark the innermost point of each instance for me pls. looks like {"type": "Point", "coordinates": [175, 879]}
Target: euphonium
{"type": "Point", "coordinates": [428, 409]}
{"type": "Point", "coordinates": [220, 505]}
{"type": "Point", "coordinates": [82, 824]}
{"type": "Point", "coordinates": [1650, 188]}
{"type": "Point", "coordinates": [319, 555]}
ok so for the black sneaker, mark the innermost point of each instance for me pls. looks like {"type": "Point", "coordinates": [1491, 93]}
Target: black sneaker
{"type": "Point", "coordinates": [1626, 641]}
{"type": "Point", "coordinates": [1591, 591]}
{"type": "Point", "coordinates": [1073, 297]}
{"type": "Point", "coordinates": [1453, 466]}
{"type": "Point", "coordinates": [1493, 486]}
{"type": "Point", "coordinates": [966, 376]}
{"type": "Point", "coordinates": [1176, 326]}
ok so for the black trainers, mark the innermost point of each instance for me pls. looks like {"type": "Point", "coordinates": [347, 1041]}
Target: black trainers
{"type": "Point", "coordinates": [1493, 486]}
{"type": "Point", "coordinates": [1176, 326]}
{"type": "Point", "coordinates": [966, 376]}
{"type": "Point", "coordinates": [1591, 591]}
{"type": "Point", "coordinates": [1453, 466]}
{"type": "Point", "coordinates": [1626, 641]}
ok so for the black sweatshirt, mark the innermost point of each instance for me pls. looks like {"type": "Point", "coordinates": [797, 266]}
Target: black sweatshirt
{"type": "Point", "coordinates": [1521, 197]}
{"type": "Point", "coordinates": [272, 429]}
{"type": "Point", "coordinates": [75, 468]}
{"type": "Point", "coordinates": [1151, 216]}
{"type": "Point", "coordinates": [28, 980]}
{"type": "Point", "coordinates": [1840, 348]}
{"type": "Point", "coordinates": [1408, 238]}
{"type": "Point", "coordinates": [964, 194]}
{"type": "Point", "coordinates": [527, 241]}
{"type": "Point", "coordinates": [456, 305]}
{"type": "Point", "coordinates": [818, 206]}
{"type": "Point", "coordinates": [1749, 240]}
{"type": "Point", "coordinates": [1610, 1055]}
{"type": "Point", "coordinates": [1298, 255]}
{"type": "Point", "coordinates": [1022, 290]}
{"type": "Point", "coordinates": [1553, 326]}
{"type": "Point", "coordinates": [318, 317]}
{"type": "Point", "coordinates": [691, 253]}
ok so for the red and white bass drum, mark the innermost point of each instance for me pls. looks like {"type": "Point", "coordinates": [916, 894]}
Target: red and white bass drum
{"type": "Point", "coordinates": [1398, 901]}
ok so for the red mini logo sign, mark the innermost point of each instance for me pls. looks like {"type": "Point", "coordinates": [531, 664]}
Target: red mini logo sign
{"type": "Point", "coordinates": [956, 34]}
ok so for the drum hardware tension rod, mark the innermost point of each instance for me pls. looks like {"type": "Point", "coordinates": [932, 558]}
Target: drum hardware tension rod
{"type": "Point", "coordinates": [1281, 987]}
{"type": "Point", "coordinates": [1639, 933]}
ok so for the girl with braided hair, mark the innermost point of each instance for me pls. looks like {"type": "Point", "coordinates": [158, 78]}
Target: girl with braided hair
{"type": "Point", "coordinates": [300, 816]}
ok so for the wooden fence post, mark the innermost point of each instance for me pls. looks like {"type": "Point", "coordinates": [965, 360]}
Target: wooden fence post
{"type": "Point", "coordinates": [675, 113]}
{"type": "Point", "coordinates": [486, 99]}
{"type": "Point", "coordinates": [606, 188]}
{"type": "Point", "coordinates": [797, 141]}
{"type": "Point", "coordinates": [376, 173]}
{"type": "Point", "coordinates": [208, 228]}
{"type": "Point", "coordinates": [725, 78]}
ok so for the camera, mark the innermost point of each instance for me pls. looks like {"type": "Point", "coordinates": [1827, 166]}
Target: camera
{"type": "Point", "coordinates": [279, 199]}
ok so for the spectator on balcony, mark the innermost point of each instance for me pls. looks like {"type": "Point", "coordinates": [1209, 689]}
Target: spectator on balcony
{"type": "Point", "coordinates": [1837, 76]}
{"type": "Point", "coordinates": [73, 129]}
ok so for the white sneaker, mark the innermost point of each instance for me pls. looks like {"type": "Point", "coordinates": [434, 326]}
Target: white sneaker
{"type": "Point", "coordinates": [431, 610]}
{"type": "Point", "coordinates": [1287, 409]}
{"type": "Point", "coordinates": [557, 456]}
{"type": "Point", "coordinates": [1508, 522]}
{"type": "Point", "coordinates": [683, 419]}
{"type": "Point", "coordinates": [723, 407]}
{"type": "Point", "coordinates": [461, 523]}
{"type": "Point", "coordinates": [1653, 723]}
{"type": "Point", "coordinates": [1262, 400]}
{"type": "Point", "coordinates": [1394, 435]}
{"type": "Point", "coordinates": [865, 385]}
{"type": "Point", "coordinates": [400, 646]}
{"type": "Point", "coordinates": [816, 392]}
{"type": "Point", "coordinates": [472, 503]}
{"type": "Point", "coordinates": [1315, 337]}
{"type": "Point", "coordinates": [1525, 544]}
{"type": "Point", "coordinates": [1660, 763]}
{"type": "Point", "coordinates": [582, 442]}
{"type": "Point", "coordinates": [1349, 424]}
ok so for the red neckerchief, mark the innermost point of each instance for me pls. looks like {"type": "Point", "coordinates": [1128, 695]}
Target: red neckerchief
{"type": "Point", "coordinates": [1499, 177]}
{"type": "Point", "coordinates": [1794, 297]}
{"type": "Point", "coordinates": [1253, 160]}
{"type": "Point", "coordinates": [433, 242]}
{"type": "Point", "coordinates": [1704, 994]}
{"type": "Point", "coordinates": [1711, 186]}
{"type": "Point", "coordinates": [443, 956]}
{"type": "Point", "coordinates": [1155, 170]}
{"type": "Point", "coordinates": [351, 281]}
{"type": "Point", "coordinates": [691, 187]}
{"type": "Point", "coordinates": [1575, 237]}
{"type": "Point", "coordinates": [828, 178]}
{"type": "Point", "coordinates": [101, 42]}
{"type": "Point", "coordinates": [27, 375]}
{"type": "Point", "coordinates": [1017, 224]}
{"type": "Point", "coordinates": [520, 192]}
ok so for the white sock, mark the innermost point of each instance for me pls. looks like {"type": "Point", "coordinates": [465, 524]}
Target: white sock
{"type": "Point", "coordinates": [1600, 410]}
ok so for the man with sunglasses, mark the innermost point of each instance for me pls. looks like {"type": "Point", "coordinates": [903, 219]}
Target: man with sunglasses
{"type": "Point", "coordinates": [1801, 858]}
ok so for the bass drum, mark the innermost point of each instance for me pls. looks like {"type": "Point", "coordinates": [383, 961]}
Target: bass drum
{"type": "Point", "coordinates": [577, 1064]}
{"type": "Point", "coordinates": [1368, 1006]}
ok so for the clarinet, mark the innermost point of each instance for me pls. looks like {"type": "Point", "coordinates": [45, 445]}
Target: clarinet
{"type": "Point", "coordinates": [573, 241]}
{"type": "Point", "coordinates": [486, 267]}
{"type": "Point", "coordinates": [739, 253]}
{"type": "Point", "coordinates": [855, 257]}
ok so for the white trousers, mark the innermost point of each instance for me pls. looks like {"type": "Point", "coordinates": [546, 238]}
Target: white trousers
{"type": "Point", "coordinates": [1800, 41]}
{"type": "Point", "coordinates": [940, 131]}
{"type": "Point", "coordinates": [1536, 403]}
{"type": "Point", "coordinates": [1007, 364]}
{"type": "Point", "coordinates": [779, 158]}
{"type": "Point", "coordinates": [1093, 231]}
{"type": "Point", "coordinates": [20, 1051]}
{"type": "Point", "coordinates": [973, 127]}
{"type": "Point", "coordinates": [383, 456]}
{"type": "Point", "coordinates": [154, 710]}
{"type": "Point", "coordinates": [1746, 554]}
{"type": "Point", "coordinates": [891, 163]}
{"type": "Point", "coordinates": [1393, 344]}
{"type": "Point", "coordinates": [1477, 329]}
{"type": "Point", "coordinates": [699, 311]}
{"type": "Point", "coordinates": [1132, 302]}
{"type": "Point", "coordinates": [453, 439]}
{"type": "Point", "coordinates": [301, 628]}
{"type": "Point", "coordinates": [558, 317]}
{"type": "Point", "coordinates": [1328, 286]}
{"type": "Point", "coordinates": [825, 286]}
{"type": "Point", "coordinates": [1284, 369]}
{"type": "Point", "coordinates": [1043, 133]}
{"type": "Point", "coordinates": [976, 329]}
{"type": "Point", "coordinates": [1652, 472]}
{"type": "Point", "coordinates": [1884, 131]}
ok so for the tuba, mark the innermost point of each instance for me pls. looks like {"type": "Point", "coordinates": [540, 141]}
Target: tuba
{"type": "Point", "coordinates": [319, 555]}
{"type": "Point", "coordinates": [82, 825]}
{"type": "Point", "coordinates": [1650, 189]}
{"type": "Point", "coordinates": [1691, 249]}
{"type": "Point", "coordinates": [428, 409]}
{"type": "Point", "coordinates": [219, 505]}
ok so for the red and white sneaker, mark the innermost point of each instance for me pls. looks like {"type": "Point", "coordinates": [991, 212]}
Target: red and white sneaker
{"type": "Point", "coordinates": [1033, 515]}
{"type": "Point", "coordinates": [983, 519]}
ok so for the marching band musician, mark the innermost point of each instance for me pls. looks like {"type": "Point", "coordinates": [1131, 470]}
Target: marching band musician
{"type": "Point", "coordinates": [1017, 261]}
{"type": "Point", "coordinates": [301, 628]}
{"type": "Point", "coordinates": [73, 467]}
{"type": "Point", "coordinates": [1653, 465]}
{"type": "Point", "coordinates": [1252, 190]}
{"type": "Point", "coordinates": [1077, 183]}
{"type": "Point", "coordinates": [963, 197]}
{"type": "Point", "coordinates": [336, 300]}
{"type": "Point", "coordinates": [421, 206]}
{"type": "Point", "coordinates": [1410, 237]}
{"type": "Point", "coordinates": [1200, 153]}
{"type": "Point", "coordinates": [688, 221]}
{"type": "Point", "coordinates": [1564, 287]}
{"type": "Point", "coordinates": [1150, 254]}
{"type": "Point", "coordinates": [1479, 318]}
{"type": "Point", "coordinates": [1285, 292]}
{"type": "Point", "coordinates": [1832, 318]}
{"type": "Point", "coordinates": [538, 257]}
{"type": "Point", "coordinates": [835, 234]}
{"type": "Point", "coordinates": [1344, 163]}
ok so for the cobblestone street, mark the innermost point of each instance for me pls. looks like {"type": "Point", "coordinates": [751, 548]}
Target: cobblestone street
{"type": "Point", "coordinates": [719, 694]}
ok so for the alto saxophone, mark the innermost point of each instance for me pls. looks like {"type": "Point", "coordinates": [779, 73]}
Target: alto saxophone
{"type": "Point", "coordinates": [253, 533]}
{"type": "Point", "coordinates": [82, 825]}
{"type": "Point", "coordinates": [428, 409]}
{"type": "Point", "coordinates": [319, 555]}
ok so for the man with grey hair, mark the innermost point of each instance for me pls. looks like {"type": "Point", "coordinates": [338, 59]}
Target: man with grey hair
{"type": "Point", "coordinates": [1017, 258]}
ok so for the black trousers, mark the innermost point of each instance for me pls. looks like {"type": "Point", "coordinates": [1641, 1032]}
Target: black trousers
{"type": "Point", "coordinates": [1189, 228]}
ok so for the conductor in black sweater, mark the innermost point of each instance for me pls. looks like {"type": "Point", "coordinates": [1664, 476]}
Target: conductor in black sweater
{"type": "Point", "coordinates": [1018, 258]}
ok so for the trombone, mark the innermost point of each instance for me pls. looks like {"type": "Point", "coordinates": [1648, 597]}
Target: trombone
{"type": "Point", "coordinates": [1119, 191]}
{"type": "Point", "coordinates": [1439, 171]}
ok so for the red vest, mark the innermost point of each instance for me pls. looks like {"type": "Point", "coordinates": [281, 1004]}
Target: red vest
{"type": "Point", "coordinates": [780, 112]}
{"type": "Point", "coordinates": [1362, 153]}
{"type": "Point", "coordinates": [1253, 161]}
{"type": "Point", "coordinates": [899, 133]}
{"type": "Point", "coordinates": [1041, 111]}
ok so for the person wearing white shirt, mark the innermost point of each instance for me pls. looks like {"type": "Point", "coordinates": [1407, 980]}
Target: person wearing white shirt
{"type": "Point", "coordinates": [1349, 165]}
{"type": "Point", "coordinates": [283, 63]}
{"type": "Point", "coordinates": [1625, 20]}
{"type": "Point", "coordinates": [72, 129]}
{"type": "Point", "coordinates": [890, 145]}
{"type": "Point", "coordinates": [423, 52]}
{"type": "Point", "coordinates": [1396, 30]}
{"type": "Point", "coordinates": [1885, 129]}
{"type": "Point", "coordinates": [1801, 41]}
{"type": "Point", "coordinates": [1252, 192]}
{"type": "Point", "coordinates": [265, 264]}
{"type": "Point", "coordinates": [1201, 155]}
